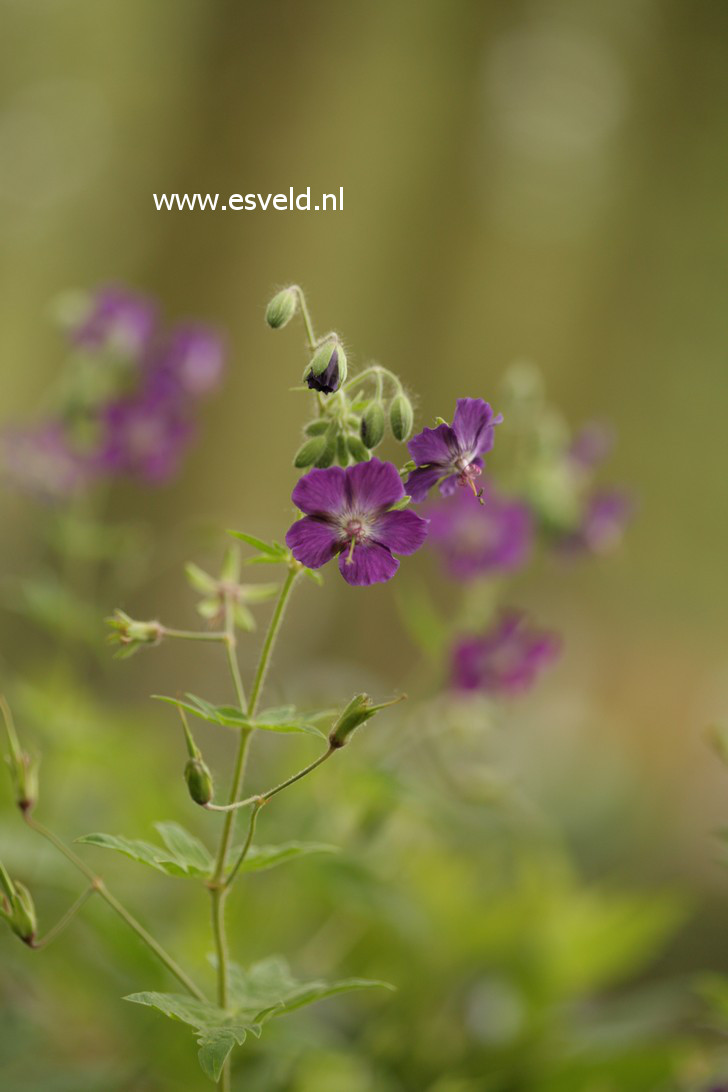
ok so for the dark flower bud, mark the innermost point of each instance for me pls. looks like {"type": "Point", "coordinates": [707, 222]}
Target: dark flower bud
{"type": "Point", "coordinates": [327, 368]}
{"type": "Point", "coordinates": [309, 452]}
{"type": "Point", "coordinates": [372, 425]}
{"type": "Point", "coordinates": [401, 416]}
{"type": "Point", "coordinates": [281, 308]}
{"type": "Point", "coordinates": [357, 449]}
{"type": "Point", "coordinates": [359, 710]}
{"type": "Point", "coordinates": [199, 780]}
{"type": "Point", "coordinates": [317, 427]}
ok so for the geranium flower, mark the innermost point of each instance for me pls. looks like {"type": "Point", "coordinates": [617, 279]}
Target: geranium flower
{"type": "Point", "coordinates": [476, 539]}
{"type": "Point", "coordinates": [506, 659]}
{"type": "Point", "coordinates": [452, 454]}
{"type": "Point", "coordinates": [606, 514]}
{"type": "Point", "coordinates": [349, 512]}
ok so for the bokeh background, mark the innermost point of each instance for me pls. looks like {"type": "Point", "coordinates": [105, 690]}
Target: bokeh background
{"type": "Point", "coordinates": [541, 180]}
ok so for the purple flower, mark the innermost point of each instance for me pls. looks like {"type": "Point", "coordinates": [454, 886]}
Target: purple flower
{"type": "Point", "coordinates": [452, 452]}
{"type": "Point", "coordinates": [605, 517]}
{"type": "Point", "coordinates": [144, 437]}
{"type": "Point", "coordinates": [191, 362]}
{"type": "Point", "coordinates": [42, 461]}
{"type": "Point", "coordinates": [118, 320]}
{"type": "Point", "coordinates": [591, 445]}
{"type": "Point", "coordinates": [506, 659]}
{"type": "Point", "coordinates": [348, 512]}
{"type": "Point", "coordinates": [475, 539]}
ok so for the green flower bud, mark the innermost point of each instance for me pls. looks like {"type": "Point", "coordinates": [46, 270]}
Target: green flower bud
{"type": "Point", "coordinates": [342, 451]}
{"type": "Point", "coordinates": [281, 308]}
{"type": "Point", "coordinates": [401, 416]}
{"type": "Point", "coordinates": [24, 921]}
{"type": "Point", "coordinates": [359, 710]}
{"type": "Point", "coordinates": [310, 451]}
{"type": "Point", "coordinates": [130, 635]}
{"type": "Point", "coordinates": [359, 451]}
{"type": "Point", "coordinates": [317, 427]}
{"type": "Point", "coordinates": [372, 424]}
{"type": "Point", "coordinates": [199, 780]}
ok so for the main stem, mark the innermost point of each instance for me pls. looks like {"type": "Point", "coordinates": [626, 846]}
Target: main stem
{"type": "Point", "coordinates": [100, 887]}
{"type": "Point", "coordinates": [218, 886]}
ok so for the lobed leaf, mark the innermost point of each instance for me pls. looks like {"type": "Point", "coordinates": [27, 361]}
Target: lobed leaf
{"type": "Point", "coordinates": [263, 858]}
{"type": "Point", "coordinates": [184, 854]}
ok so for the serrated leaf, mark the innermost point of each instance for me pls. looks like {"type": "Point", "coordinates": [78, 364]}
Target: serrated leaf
{"type": "Point", "coordinates": [185, 847]}
{"type": "Point", "coordinates": [171, 861]}
{"type": "Point", "coordinates": [309, 992]}
{"type": "Point", "coordinates": [216, 1031]}
{"type": "Point", "coordinates": [263, 858]}
{"type": "Point", "coordinates": [226, 715]}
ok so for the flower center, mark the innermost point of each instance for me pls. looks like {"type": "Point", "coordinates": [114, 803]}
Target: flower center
{"type": "Point", "coordinates": [355, 530]}
{"type": "Point", "coordinates": [467, 473]}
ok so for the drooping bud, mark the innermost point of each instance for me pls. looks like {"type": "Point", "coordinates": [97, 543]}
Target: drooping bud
{"type": "Point", "coordinates": [199, 781]}
{"type": "Point", "coordinates": [372, 424]}
{"type": "Point", "coordinates": [327, 369]}
{"type": "Point", "coordinates": [130, 635]}
{"type": "Point", "coordinates": [359, 710]}
{"type": "Point", "coordinates": [281, 308]}
{"type": "Point", "coordinates": [401, 416]}
{"type": "Point", "coordinates": [16, 907]}
{"type": "Point", "coordinates": [357, 449]}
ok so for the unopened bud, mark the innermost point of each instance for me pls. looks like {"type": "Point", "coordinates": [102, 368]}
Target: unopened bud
{"type": "Point", "coordinates": [199, 780]}
{"type": "Point", "coordinates": [317, 427]}
{"type": "Point", "coordinates": [342, 451]}
{"type": "Point", "coordinates": [16, 907]}
{"type": "Point", "coordinates": [309, 452]}
{"type": "Point", "coordinates": [357, 449]}
{"type": "Point", "coordinates": [281, 308]}
{"type": "Point", "coordinates": [401, 416]}
{"type": "Point", "coordinates": [372, 425]}
{"type": "Point", "coordinates": [327, 369]}
{"type": "Point", "coordinates": [130, 635]}
{"type": "Point", "coordinates": [360, 709]}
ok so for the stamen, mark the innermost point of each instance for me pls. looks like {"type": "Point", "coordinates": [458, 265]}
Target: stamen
{"type": "Point", "coordinates": [350, 555]}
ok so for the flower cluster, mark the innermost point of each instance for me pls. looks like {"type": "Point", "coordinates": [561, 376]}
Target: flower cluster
{"type": "Point", "coordinates": [504, 660]}
{"type": "Point", "coordinates": [126, 403]}
{"type": "Point", "coordinates": [481, 539]}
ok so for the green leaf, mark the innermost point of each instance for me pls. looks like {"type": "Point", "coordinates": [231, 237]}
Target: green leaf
{"type": "Point", "coordinates": [184, 855]}
{"type": "Point", "coordinates": [185, 848]}
{"type": "Point", "coordinates": [256, 543]}
{"type": "Point", "coordinates": [226, 715]}
{"type": "Point", "coordinates": [262, 858]}
{"type": "Point", "coordinates": [216, 1031]}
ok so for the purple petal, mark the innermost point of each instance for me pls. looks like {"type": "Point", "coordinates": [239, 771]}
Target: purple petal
{"type": "Point", "coordinates": [117, 318]}
{"type": "Point", "coordinates": [421, 481]}
{"type": "Point", "coordinates": [321, 492]}
{"type": "Point", "coordinates": [312, 542]}
{"type": "Point", "coordinates": [373, 486]}
{"type": "Point", "coordinates": [450, 485]}
{"type": "Point", "coordinates": [433, 445]}
{"type": "Point", "coordinates": [400, 532]}
{"type": "Point", "coordinates": [370, 563]}
{"type": "Point", "coordinates": [473, 425]}
{"type": "Point", "coordinates": [195, 356]}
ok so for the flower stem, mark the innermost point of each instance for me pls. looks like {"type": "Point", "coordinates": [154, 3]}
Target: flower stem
{"type": "Point", "coordinates": [194, 634]}
{"type": "Point", "coordinates": [264, 797]}
{"type": "Point", "coordinates": [63, 922]}
{"type": "Point", "coordinates": [306, 317]}
{"type": "Point", "coordinates": [244, 851]}
{"type": "Point", "coordinates": [100, 888]}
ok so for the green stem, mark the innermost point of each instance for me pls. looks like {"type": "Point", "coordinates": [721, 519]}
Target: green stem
{"type": "Point", "coordinates": [271, 637]}
{"type": "Point", "coordinates": [194, 634]}
{"type": "Point", "coordinates": [264, 797]}
{"type": "Point", "coordinates": [63, 922]}
{"type": "Point", "coordinates": [248, 841]}
{"type": "Point", "coordinates": [100, 887]}
{"type": "Point", "coordinates": [376, 370]}
{"type": "Point", "coordinates": [306, 317]}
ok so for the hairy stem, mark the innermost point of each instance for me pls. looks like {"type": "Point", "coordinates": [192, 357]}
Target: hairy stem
{"type": "Point", "coordinates": [100, 887]}
{"type": "Point", "coordinates": [64, 921]}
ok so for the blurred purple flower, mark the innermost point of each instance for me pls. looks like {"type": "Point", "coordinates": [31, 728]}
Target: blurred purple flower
{"type": "Point", "coordinates": [118, 319]}
{"type": "Point", "coordinates": [41, 461]}
{"type": "Point", "coordinates": [475, 539]}
{"type": "Point", "coordinates": [144, 437]}
{"type": "Point", "coordinates": [591, 445]}
{"type": "Point", "coordinates": [348, 512]}
{"type": "Point", "coordinates": [191, 362]}
{"type": "Point", "coordinates": [452, 452]}
{"type": "Point", "coordinates": [506, 659]}
{"type": "Point", "coordinates": [607, 513]}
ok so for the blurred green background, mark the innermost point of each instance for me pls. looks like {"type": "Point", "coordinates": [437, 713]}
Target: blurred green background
{"type": "Point", "coordinates": [541, 180]}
